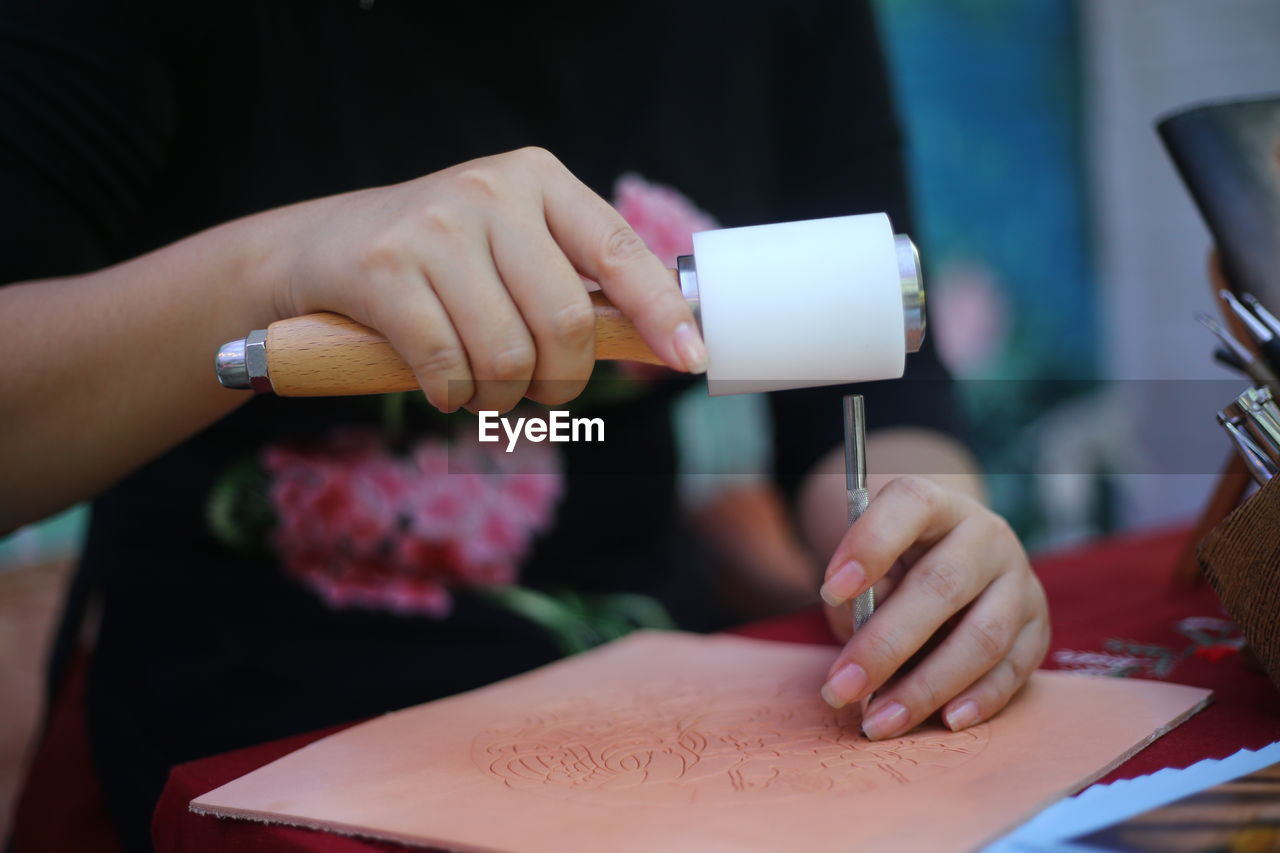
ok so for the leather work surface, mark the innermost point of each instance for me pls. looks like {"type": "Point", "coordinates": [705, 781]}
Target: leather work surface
{"type": "Point", "coordinates": [672, 740]}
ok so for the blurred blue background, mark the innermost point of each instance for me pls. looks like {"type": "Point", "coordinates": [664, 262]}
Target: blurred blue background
{"type": "Point", "coordinates": [1066, 259]}
{"type": "Point", "coordinates": [989, 93]}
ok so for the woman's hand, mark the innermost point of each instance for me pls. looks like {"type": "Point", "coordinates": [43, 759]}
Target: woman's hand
{"type": "Point", "coordinates": [949, 562]}
{"type": "Point", "coordinates": [472, 273]}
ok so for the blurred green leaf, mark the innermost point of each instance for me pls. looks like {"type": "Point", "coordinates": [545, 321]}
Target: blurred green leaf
{"type": "Point", "coordinates": [577, 621]}
{"type": "Point", "coordinates": [238, 510]}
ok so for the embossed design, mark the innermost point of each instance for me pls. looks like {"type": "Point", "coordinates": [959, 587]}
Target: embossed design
{"type": "Point", "coordinates": [677, 743]}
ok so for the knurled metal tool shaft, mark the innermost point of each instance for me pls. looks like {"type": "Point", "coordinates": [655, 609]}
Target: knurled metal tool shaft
{"type": "Point", "coordinates": [855, 474]}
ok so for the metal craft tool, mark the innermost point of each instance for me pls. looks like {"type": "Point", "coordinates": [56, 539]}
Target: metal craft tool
{"type": "Point", "coordinates": [1265, 340]}
{"type": "Point", "coordinates": [1261, 312]}
{"type": "Point", "coordinates": [1262, 417]}
{"type": "Point", "coordinates": [1228, 360]}
{"type": "Point", "coordinates": [1261, 467]}
{"type": "Point", "coordinates": [855, 479]}
{"type": "Point", "coordinates": [1257, 369]}
{"type": "Point", "coordinates": [1255, 426]}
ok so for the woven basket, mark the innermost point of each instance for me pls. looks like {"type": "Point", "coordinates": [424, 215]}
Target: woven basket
{"type": "Point", "coordinates": [1241, 559]}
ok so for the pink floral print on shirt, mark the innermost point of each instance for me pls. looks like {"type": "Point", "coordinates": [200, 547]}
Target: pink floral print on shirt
{"type": "Point", "coordinates": [363, 527]}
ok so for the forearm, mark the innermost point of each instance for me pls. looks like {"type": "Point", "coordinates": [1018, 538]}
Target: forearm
{"type": "Point", "coordinates": [821, 502]}
{"type": "Point", "coordinates": [472, 273]}
{"type": "Point", "coordinates": [101, 372]}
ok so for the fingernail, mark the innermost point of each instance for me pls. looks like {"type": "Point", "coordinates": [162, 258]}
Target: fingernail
{"type": "Point", "coordinates": [690, 348]}
{"type": "Point", "coordinates": [885, 721]}
{"type": "Point", "coordinates": [962, 716]}
{"type": "Point", "coordinates": [845, 685]}
{"type": "Point", "coordinates": [844, 584]}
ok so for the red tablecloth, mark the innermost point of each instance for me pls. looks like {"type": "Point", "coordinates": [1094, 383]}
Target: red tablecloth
{"type": "Point", "coordinates": [1119, 589]}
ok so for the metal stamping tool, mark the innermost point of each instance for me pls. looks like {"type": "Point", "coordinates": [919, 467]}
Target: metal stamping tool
{"type": "Point", "coordinates": [1260, 466]}
{"type": "Point", "coordinates": [855, 477]}
{"type": "Point", "coordinates": [1255, 367]}
{"type": "Point", "coordinates": [1252, 426]}
{"type": "Point", "coordinates": [1259, 332]}
{"type": "Point", "coordinates": [1262, 417]}
{"type": "Point", "coordinates": [1262, 313]}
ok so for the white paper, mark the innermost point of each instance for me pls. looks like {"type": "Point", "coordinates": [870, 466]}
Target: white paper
{"type": "Point", "coordinates": [1103, 805]}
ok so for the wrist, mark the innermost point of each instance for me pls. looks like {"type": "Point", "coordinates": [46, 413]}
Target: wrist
{"type": "Point", "coordinates": [262, 250]}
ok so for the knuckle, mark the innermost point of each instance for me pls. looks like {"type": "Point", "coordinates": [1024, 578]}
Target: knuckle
{"type": "Point", "coordinates": [925, 695]}
{"type": "Point", "coordinates": [919, 489]}
{"type": "Point", "coordinates": [1008, 676]}
{"type": "Point", "coordinates": [1041, 648]}
{"type": "Point", "coordinates": [665, 302]}
{"type": "Point", "coordinates": [482, 181]}
{"type": "Point", "coordinates": [872, 544]}
{"type": "Point", "coordinates": [439, 220]}
{"type": "Point", "coordinates": [997, 529]}
{"type": "Point", "coordinates": [574, 325]}
{"type": "Point", "coordinates": [536, 156]}
{"type": "Point", "coordinates": [944, 579]}
{"type": "Point", "coordinates": [440, 361]}
{"type": "Point", "coordinates": [513, 363]}
{"type": "Point", "coordinates": [622, 246]}
{"type": "Point", "coordinates": [1035, 607]}
{"type": "Point", "coordinates": [383, 255]}
{"type": "Point", "coordinates": [882, 651]}
{"type": "Point", "coordinates": [991, 636]}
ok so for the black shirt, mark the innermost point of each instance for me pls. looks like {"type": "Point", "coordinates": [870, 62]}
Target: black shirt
{"type": "Point", "coordinates": [126, 125]}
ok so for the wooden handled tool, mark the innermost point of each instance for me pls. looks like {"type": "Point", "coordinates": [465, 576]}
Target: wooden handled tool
{"type": "Point", "coordinates": [325, 355]}
{"type": "Point", "coordinates": [328, 355]}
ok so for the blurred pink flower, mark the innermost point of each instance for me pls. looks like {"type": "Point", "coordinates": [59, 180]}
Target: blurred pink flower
{"type": "Point", "coordinates": [362, 527]}
{"type": "Point", "coordinates": [967, 314]}
{"type": "Point", "coordinates": [661, 215]}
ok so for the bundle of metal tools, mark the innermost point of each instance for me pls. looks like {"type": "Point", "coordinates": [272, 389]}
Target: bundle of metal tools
{"type": "Point", "coordinates": [1252, 420]}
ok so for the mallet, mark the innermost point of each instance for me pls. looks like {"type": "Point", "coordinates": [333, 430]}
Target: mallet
{"type": "Point", "coordinates": [791, 305]}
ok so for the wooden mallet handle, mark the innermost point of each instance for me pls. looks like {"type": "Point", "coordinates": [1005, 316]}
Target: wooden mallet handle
{"type": "Point", "coordinates": [326, 355]}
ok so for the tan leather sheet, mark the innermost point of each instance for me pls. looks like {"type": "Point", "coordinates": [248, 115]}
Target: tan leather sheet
{"type": "Point", "coordinates": [669, 741]}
